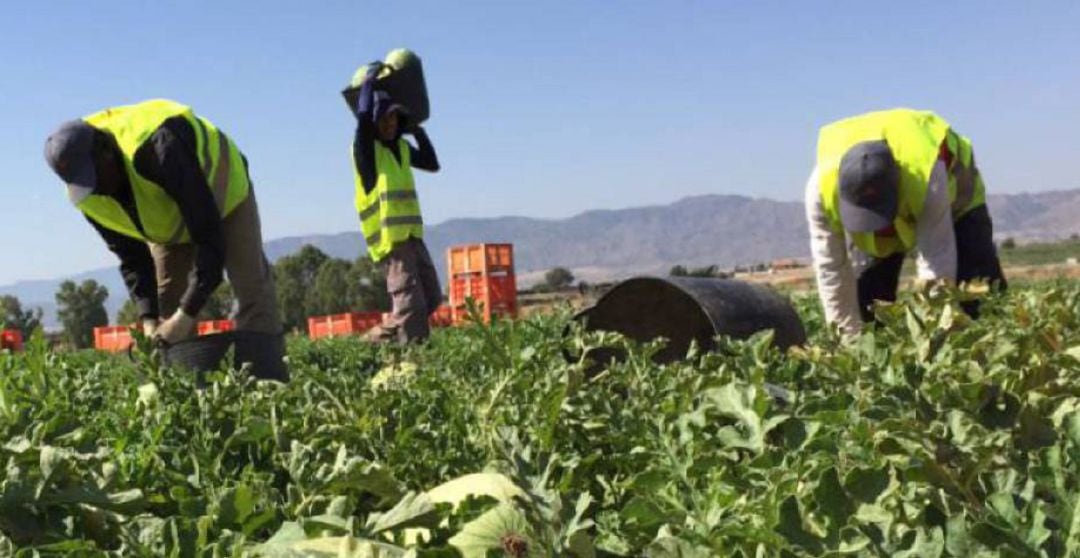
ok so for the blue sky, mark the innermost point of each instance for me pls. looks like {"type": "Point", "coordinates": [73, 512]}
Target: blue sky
{"type": "Point", "coordinates": [541, 109]}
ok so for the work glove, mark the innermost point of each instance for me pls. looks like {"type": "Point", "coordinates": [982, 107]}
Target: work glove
{"type": "Point", "coordinates": [178, 327]}
{"type": "Point", "coordinates": [149, 327]}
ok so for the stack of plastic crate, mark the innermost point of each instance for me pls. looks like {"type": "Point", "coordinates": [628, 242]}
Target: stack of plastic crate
{"type": "Point", "coordinates": [11, 339]}
{"type": "Point", "coordinates": [442, 317]}
{"type": "Point", "coordinates": [113, 339]}
{"type": "Point", "coordinates": [485, 274]}
{"type": "Point", "coordinates": [353, 323]}
{"type": "Point", "coordinates": [210, 327]}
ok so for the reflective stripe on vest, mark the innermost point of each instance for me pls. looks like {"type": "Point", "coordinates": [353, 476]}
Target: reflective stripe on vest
{"type": "Point", "coordinates": [915, 138]}
{"type": "Point", "coordinates": [159, 217]}
{"type": "Point", "coordinates": [390, 212]}
{"type": "Point", "coordinates": [966, 187]}
{"type": "Point", "coordinates": [384, 197]}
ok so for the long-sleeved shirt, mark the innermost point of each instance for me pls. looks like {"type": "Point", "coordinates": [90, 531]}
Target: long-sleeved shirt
{"type": "Point", "coordinates": [168, 159]}
{"type": "Point", "coordinates": [367, 110]}
{"type": "Point", "coordinates": [837, 263]}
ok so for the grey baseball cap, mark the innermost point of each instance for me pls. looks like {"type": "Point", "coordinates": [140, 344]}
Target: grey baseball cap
{"type": "Point", "coordinates": [70, 153]}
{"type": "Point", "coordinates": [869, 187]}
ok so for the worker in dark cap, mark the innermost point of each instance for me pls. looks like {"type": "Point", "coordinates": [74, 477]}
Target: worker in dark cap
{"type": "Point", "coordinates": [389, 208]}
{"type": "Point", "coordinates": [171, 196]}
{"type": "Point", "coordinates": [888, 183]}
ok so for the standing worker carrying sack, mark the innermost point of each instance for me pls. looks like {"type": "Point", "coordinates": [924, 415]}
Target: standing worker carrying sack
{"type": "Point", "coordinates": [389, 100]}
{"type": "Point", "coordinates": [171, 196]}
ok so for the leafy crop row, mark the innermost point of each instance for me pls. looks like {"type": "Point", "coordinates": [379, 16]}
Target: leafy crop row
{"type": "Point", "coordinates": [931, 436]}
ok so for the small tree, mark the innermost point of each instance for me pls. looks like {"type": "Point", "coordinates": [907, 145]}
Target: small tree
{"type": "Point", "coordinates": [13, 316]}
{"type": "Point", "coordinates": [558, 278]}
{"type": "Point", "coordinates": [330, 291]}
{"type": "Point", "coordinates": [707, 271]}
{"type": "Point", "coordinates": [295, 277]}
{"type": "Point", "coordinates": [367, 286]}
{"type": "Point", "coordinates": [1008, 244]}
{"type": "Point", "coordinates": [678, 271]}
{"type": "Point", "coordinates": [81, 308]}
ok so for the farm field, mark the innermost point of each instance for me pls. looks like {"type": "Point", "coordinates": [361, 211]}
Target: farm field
{"type": "Point", "coordinates": [931, 436]}
{"type": "Point", "coordinates": [1031, 262]}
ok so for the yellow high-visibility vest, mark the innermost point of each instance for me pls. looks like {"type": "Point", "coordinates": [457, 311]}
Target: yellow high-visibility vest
{"type": "Point", "coordinates": [915, 139]}
{"type": "Point", "coordinates": [132, 125]}
{"type": "Point", "coordinates": [390, 212]}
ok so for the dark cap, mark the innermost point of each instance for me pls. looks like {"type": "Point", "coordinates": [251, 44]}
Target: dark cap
{"type": "Point", "coordinates": [385, 104]}
{"type": "Point", "coordinates": [70, 153]}
{"type": "Point", "coordinates": [869, 187]}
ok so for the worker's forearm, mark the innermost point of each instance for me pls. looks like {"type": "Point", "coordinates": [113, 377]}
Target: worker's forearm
{"type": "Point", "coordinates": [837, 287]}
{"type": "Point", "coordinates": [424, 157]}
{"type": "Point", "coordinates": [364, 137]}
{"type": "Point", "coordinates": [203, 279]}
{"type": "Point", "coordinates": [935, 231]}
{"type": "Point", "coordinates": [136, 268]}
{"type": "Point", "coordinates": [836, 282]}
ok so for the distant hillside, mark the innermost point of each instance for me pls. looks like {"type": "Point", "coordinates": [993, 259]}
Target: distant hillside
{"type": "Point", "coordinates": [703, 230]}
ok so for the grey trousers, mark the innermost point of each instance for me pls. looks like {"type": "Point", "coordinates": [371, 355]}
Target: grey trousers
{"type": "Point", "coordinates": [414, 291]}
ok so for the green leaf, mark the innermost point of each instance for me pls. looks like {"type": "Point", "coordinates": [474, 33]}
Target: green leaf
{"type": "Point", "coordinates": [736, 401]}
{"type": "Point", "coordinates": [867, 484]}
{"type": "Point", "coordinates": [492, 485]}
{"type": "Point", "coordinates": [414, 510]}
{"type": "Point", "coordinates": [502, 527]}
{"type": "Point", "coordinates": [331, 547]}
{"type": "Point", "coordinates": [674, 547]}
{"type": "Point", "coordinates": [957, 540]}
{"type": "Point", "coordinates": [791, 526]}
{"type": "Point", "coordinates": [51, 461]}
{"type": "Point", "coordinates": [235, 505]}
{"type": "Point", "coordinates": [930, 545]}
{"type": "Point", "coordinates": [643, 512]}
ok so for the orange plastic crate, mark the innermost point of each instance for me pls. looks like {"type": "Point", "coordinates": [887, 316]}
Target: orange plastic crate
{"type": "Point", "coordinates": [496, 295]}
{"type": "Point", "coordinates": [485, 259]}
{"type": "Point", "coordinates": [443, 317]}
{"type": "Point", "coordinates": [210, 327]}
{"type": "Point", "coordinates": [113, 339]}
{"type": "Point", "coordinates": [342, 324]}
{"type": "Point", "coordinates": [11, 339]}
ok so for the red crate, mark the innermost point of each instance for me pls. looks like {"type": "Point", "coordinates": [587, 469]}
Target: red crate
{"type": "Point", "coordinates": [113, 339]}
{"type": "Point", "coordinates": [11, 339]}
{"type": "Point", "coordinates": [211, 327]}
{"type": "Point", "coordinates": [442, 317]}
{"type": "Point", "coordinates": [342, 324]}
{"type": "Point", "coordinates": [485, 259]}
{"type": "Point", "coordinates": [496, 295]}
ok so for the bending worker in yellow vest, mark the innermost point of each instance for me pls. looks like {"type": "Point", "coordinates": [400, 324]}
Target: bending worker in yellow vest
{"type": "Point", "coordinates": [887, 183]}
{"type": "Point", "coordinates": [171, 196]}
{"type": "Point", "coordinates": [389, 208]}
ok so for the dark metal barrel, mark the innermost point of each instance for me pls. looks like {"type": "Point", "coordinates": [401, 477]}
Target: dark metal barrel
{"type": "Point", "coordinates": [683, 309]}
{"type": "Point", "coordinates": [202, 354]}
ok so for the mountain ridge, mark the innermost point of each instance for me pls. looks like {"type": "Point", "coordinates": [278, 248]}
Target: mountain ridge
{"type": "Point", "coordinates": [720, 229]}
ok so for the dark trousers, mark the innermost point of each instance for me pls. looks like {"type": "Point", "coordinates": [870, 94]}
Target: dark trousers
{"type": "Point", "coordinates": [976, 258]}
